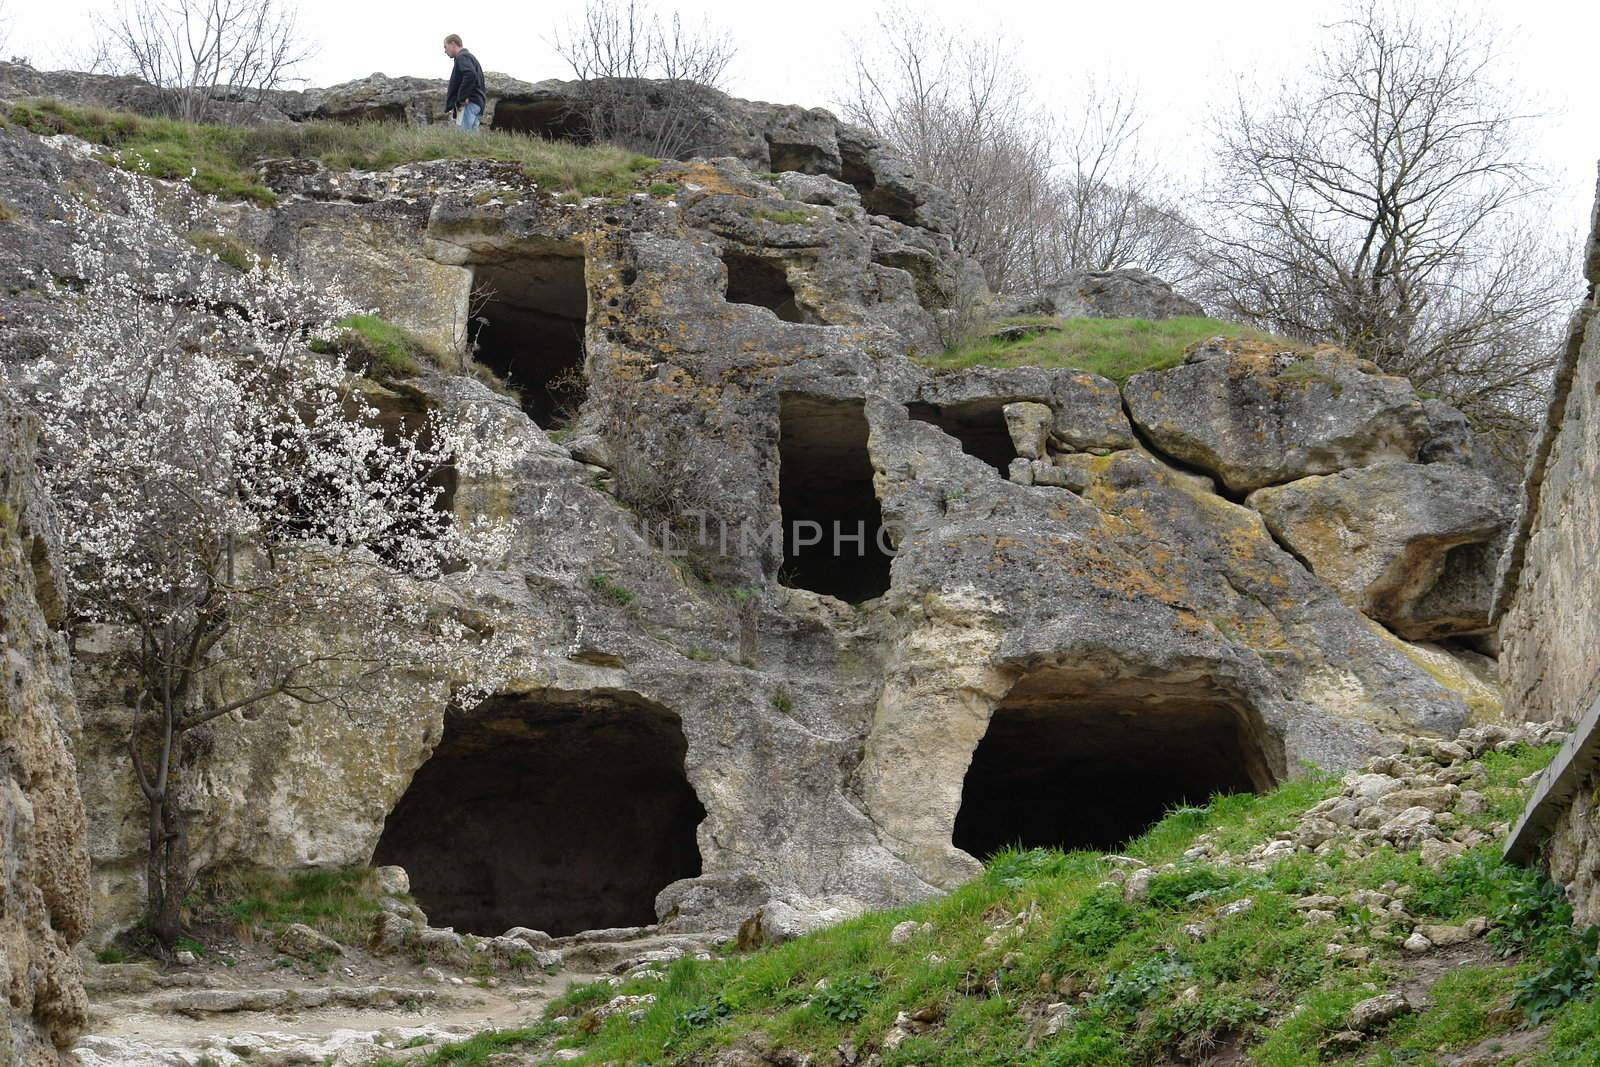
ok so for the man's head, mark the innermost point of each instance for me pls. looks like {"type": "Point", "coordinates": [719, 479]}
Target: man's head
{"type": "Point", "coordinates": [452, 45]}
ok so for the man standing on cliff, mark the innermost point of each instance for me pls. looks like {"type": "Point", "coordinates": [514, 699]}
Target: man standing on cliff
{"type": "Point", "coordinates": [466, 84]}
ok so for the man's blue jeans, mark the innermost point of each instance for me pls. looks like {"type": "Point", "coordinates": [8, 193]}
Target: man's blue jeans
{"type": "Point", "coordinates": [470, 113]}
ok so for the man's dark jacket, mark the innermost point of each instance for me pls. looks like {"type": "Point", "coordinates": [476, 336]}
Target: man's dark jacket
{"type": "Point", "coordinates": [466, 83]}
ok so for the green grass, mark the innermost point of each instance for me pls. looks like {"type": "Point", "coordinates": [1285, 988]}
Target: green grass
{"type": "Point", "coordinates": [382, 350]}
{"type": "Point", "coordinates": [221, 159]}
{"type": "Point", "coordinates": [1112, 348]}
{"type": "Point", "coordinates": [611, 590]}
{"type": "Point", "coordinates": [230, 250]}
{"type": "Point", "coordinates": [338, 902]}
{"type": "Point", "coordinates": [1152, 994]}
{"type": "Point", "coordinates": [784, 216]}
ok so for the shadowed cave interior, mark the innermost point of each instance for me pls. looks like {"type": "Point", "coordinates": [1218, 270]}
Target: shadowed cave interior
{"type": "Point", "coordinates": [559, 812]}
{"type": "Point", "coordinates": [531, 328]}
{"type": "Point", "coordinates": [825, 489]}
{"type": "Point", "coordinates": [1074, 762]}
{"type": "Point", "coordinates": [762, 282]}
{"type": "Point", "coordinates": [980, 426]}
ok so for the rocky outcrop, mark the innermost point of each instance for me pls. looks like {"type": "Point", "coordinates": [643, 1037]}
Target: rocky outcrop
{"type": "Point", "coordinates": [1254, 414]}
{"type": "Point", "coordinates": [1407, 544]}
{"type": "Point", "coordinates": [44, 871]}
{"type": "Point", "coordinates": [744, 340]}
{"type": "Point", "coordinates": [1548, 606]}
{"type": "Point", "coordinates": [1127, 293]}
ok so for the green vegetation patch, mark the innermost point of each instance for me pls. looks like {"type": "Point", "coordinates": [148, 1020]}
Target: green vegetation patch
{"type": "Point", "coordinates": [382, 350]}
{"type": "Point", "coordinates": [230, 250]}
{"type": "Point", "coordinates": [1040, 927]}
{"type": "Point", "coordinates": [1112, 348]}
{"type": "Point", "coordinates": [222, 159]}
{"type": "Point", "coordinates": [338, 901]}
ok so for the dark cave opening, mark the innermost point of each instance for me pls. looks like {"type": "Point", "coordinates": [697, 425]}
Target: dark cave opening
{"type": "Point", "coordinates": [562, 812]}
{"type": "Point", "coordinates": [753, 280]}
{"type": "Point", "coordinates": [980, 426]}
{"type": "Point", "coordinates": [832, 522]}
{"type": "Point", "coordinates": [550, 120]}
{"type": "Point", "coordinates": [530, 329]}
{"type": "Point", "coordinates": [1071, 765]}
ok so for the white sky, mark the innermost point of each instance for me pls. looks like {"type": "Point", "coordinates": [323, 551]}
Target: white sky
{"type": "Point", "coordinates": [1182, 56]}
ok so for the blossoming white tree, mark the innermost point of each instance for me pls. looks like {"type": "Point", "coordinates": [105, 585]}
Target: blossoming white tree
{"type": "Point", "coordinates": [231, 501]}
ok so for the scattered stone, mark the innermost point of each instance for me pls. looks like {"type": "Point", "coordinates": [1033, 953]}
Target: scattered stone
{"type": "Point", "coordinates": [904, 932]}
{"type": "Point", "coordinates": [1029, 425]}
{"type": "Point", "coordinates": [1237, 907]}
{"type": "Point", "coordinates": [304, 943]}
{"type": "Point", "coordinates": [184, 958]}
{"type": "Point", "coordinates": [1137, 886]}
{"type": "Point", "coordinates": [1376, 1011]}
{"type": "Point", "coordinates": [392, 880]}
{"type": "Point", "coordinates": [1445, 936]}
{"type": "Point", "coordinates": [1417, 944]}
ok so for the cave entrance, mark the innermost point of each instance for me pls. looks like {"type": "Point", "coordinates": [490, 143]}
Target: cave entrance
{"type": "Point", "coordinates": [550, 120]}
{"type": "Point", "coordinates": [980, 426]}
{"type": "Point", "coordinates": [753, 280]}
{"type": "Point", "coordinates": [530, 328]}
{"type": "Point", "coordinates": [832, 522]}
{"type": "Point", "coordinates": [561, 812]}
{"type": "Point", "coordinates": [1072, 761]}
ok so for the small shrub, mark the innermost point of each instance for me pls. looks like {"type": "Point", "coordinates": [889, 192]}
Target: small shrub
{"type": "Point", "coordinates": [610, 590]}
{"type": "Point", "coordinates": [110, 954]}
{"type": "Point", "coordinates": [663, 189]}
{"type": "Point", "coordinates": [230, 250]}
{"type": "Point", "coordinates": [1172, 891]}
{"type": "Point", "coordinates": [782, 702]}
{"type": "Point", "coordinates": [1094, 926]}
{"type": "Point", "coordinates": [846, 1000]}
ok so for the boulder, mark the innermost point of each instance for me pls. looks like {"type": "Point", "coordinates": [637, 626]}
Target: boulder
{"type": "Point", "coordinates": [1029, 425]}
{"type": "Point", "coordinates": [304, 943]}
{"type": "Point", "coordinates": [1254, 414]}
{"type": "Point", "coordinates": [1410, 545]}
{"type": "Point", "coordinates": [1112, 294]}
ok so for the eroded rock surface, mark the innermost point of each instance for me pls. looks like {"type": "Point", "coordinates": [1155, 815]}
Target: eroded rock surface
{"type": "Point", "coordinates": [44, 869]}
{"type": "Point", "coordinates": [1256, 415]}
{"type": "Point", "coordinates": [1407, 544]}
{"type": "Point", "coordinates": [744, 344]}
{"type": "Point", "coordinates": [1112, 294]}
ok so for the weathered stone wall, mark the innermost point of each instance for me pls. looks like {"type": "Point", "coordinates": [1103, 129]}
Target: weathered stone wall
{"type": "Point", "coordinates": [44, 869]}
{"type": "Point", "coordinates": [1548, 602]}
{"type": "Point", "coordinates": [1550, 592]}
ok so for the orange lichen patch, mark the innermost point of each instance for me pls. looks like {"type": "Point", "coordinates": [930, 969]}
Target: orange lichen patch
{"type": "Point", "coordinates": [710, 179]}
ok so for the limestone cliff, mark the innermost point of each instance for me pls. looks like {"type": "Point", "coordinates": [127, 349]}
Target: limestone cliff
{"type": "Point", "coordinates": [1062, 592]}
{"type": "Point", "coordinates": [44, 871]}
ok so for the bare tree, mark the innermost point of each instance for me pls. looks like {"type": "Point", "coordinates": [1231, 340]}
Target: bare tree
{"type": "Point", "coordinates": [1037, 194]}
{"type": "Point", "coordinates": [1105, 205]}
{"type": "Point", "coordinates": [643, 77]}
{"type": "Point", "coordinates": [964, 118]}
{"type": "Point", "coordinates": [205, 52]}
{"type": "Point", "coordinates": [1382, 203]}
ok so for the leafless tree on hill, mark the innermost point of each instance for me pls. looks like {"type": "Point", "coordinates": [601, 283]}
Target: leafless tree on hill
{"type": "Point", "coordinates": [642, 76]}
{"type": "Point", "coordinates": [1382, 202]}
{"type": "Point", "coordinates": [206, 52]}
{"type": "Point", "coordinates": [1037, 194]}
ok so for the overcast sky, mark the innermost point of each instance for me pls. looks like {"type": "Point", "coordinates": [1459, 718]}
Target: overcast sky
{"type": "Point", "coordinates": [1182, 57]}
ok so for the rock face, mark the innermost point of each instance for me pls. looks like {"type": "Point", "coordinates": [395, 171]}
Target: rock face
{"type": "Point", "coordinates": [1256, 415]}
{"type": "Point", "coordinates": [44, 869]}
{"type": "Point", "coordinates": [1404, 543]}
{"type": "Point", "coordinates": [1111, 294]}
{"type": "Point", "coordinates": [798, 734]}
{"type": "Point", "coordinates": [1548, 602]}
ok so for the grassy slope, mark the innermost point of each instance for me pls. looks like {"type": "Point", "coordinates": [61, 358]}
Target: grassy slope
{"type": "Point", "coordinates": [1263, 977]}
{"type": "Point", "coordinates": [1112, 348]}
{"type": "Point", "coordinates": [221, 159]}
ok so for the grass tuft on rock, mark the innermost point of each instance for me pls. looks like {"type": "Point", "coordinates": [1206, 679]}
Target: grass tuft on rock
{"type": "Point", "coordinates": [221, 160]}
{"type": "Point", "coordinates": [1112, 348]}
{"type": "Point", "coordinates": [337, 901]}
{"type": "Point", "coordinates": [382, 350]}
